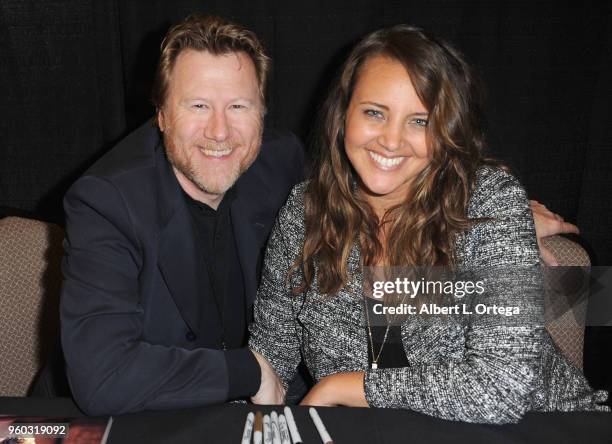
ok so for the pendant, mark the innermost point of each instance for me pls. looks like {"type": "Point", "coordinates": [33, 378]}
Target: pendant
{"type": "Point", "coordinates": [374, 365]}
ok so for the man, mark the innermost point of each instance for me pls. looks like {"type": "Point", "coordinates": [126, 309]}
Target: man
{"type": "Point", "coordinates": [165, 235]}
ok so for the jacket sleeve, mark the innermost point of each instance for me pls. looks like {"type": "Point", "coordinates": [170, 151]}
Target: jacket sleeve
{"type": "Point", "coordinates": [494, 380]}
{"type": "Point", "coordinates": [275, 332]}
{"type": "Point", "coordinates": [111, 368]}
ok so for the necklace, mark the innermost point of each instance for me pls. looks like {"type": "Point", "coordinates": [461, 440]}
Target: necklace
{"type": "Point", "coordinates": [374, 358]}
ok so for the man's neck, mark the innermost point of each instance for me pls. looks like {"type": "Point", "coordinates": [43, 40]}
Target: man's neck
{"type": "Point", "coordinates": [212, 200]}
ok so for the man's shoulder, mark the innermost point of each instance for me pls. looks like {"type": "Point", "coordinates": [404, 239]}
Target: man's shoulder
{"type": "Point", "coordinates": [280, 137]}
{"type": "Point", "coordinates": [281, 148]}
{"type": "Point", "coordinates": [128, 176]}
{"type": "Point", "coordinates": [136, 152]}
{"type": "Point", "coordinates": [279, 165]}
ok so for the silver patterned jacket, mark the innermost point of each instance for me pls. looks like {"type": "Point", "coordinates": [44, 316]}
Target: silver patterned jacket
{"type": "Point", "coordinates": [479, 371]}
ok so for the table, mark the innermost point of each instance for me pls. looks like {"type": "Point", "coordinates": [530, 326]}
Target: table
{"type": "Point", "coordinates": [224, 424]}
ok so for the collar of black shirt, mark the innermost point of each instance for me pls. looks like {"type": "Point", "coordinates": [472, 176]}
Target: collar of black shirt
{"type": "Point", "coordinates": [228, 198]}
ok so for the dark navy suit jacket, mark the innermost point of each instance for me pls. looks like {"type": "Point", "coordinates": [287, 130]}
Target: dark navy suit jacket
{"type": "Point", "coordinates": [129, 306]}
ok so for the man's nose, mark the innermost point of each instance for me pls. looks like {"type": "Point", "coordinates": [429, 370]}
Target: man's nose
{"type": "Point", "coordinates": [217, 128]}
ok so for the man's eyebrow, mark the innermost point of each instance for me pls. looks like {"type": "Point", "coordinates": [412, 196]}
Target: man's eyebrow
{"type": "Point", "coordinates": [204, 99]}
{"type": "Point", "coordinates": [243, 99]}
{"type": "Point", "coordinates": [191, 98]}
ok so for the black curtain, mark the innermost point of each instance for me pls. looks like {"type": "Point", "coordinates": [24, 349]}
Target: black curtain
{"type": "Point", "coordinates": [75, 77]}
{"type": "Point", "coordinates": [61, 97]}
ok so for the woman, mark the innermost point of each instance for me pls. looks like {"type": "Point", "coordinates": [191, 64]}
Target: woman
{"type": "Point", "coordinates": [401, 180]}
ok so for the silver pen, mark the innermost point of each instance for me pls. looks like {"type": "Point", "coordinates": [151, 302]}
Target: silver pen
{"type": "Point", "coordinates": [295, 435]}
{"type": "Point", "coordinates": [284, 429]}
{"type": "Point", "coordinates": [320, 426]}
{"type": "Point", "coordinates": [267, 430]}
{"type": "Point", "coordinates": [248, 428]}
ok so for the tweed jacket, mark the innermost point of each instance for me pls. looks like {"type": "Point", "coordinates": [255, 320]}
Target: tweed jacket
{"type": "Point", "coordinates": [472, 370]}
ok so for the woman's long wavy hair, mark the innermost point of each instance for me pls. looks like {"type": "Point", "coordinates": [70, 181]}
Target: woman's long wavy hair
{"type": "Point", "coordinates": [421, 231]}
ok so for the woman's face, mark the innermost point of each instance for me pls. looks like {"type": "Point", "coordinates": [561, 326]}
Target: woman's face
{"type": "Point", "coordinates": [385, 132]}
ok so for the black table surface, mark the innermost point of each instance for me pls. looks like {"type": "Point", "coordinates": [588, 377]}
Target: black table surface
{"type": "Point", "coordinates": [224, 424]}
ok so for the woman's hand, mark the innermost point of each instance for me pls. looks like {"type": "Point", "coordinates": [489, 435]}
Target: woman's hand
{"type": "Point", "coordinates": [271, 391]}
{"type": "Point", "coordinates": [339, 389]}
{"type": "Point", "coordinates": [548, 223]}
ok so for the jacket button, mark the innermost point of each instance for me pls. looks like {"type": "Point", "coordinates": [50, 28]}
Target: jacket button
{"type": "Point", "coordinates": [190, 336]}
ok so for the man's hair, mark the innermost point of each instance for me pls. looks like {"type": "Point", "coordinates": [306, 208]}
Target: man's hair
{"type": "Point", "coordinates": [212, 34]}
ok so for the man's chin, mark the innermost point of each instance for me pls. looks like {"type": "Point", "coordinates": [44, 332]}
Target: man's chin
{"type": "Point", "coordinates": [214, 189]}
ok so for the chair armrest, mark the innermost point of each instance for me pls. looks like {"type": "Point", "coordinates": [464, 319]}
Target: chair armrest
{"type": "Point", "coordinates": [569, 253]}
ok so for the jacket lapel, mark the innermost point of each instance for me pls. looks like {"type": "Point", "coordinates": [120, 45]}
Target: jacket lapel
{"type": "Point", "coordinates": [252, 217]}
{"type": "Point", "coordinates": [178, 260]}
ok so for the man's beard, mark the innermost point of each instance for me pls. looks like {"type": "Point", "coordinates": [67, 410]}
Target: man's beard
{"type": "Point", "coordinates": [206, 181]}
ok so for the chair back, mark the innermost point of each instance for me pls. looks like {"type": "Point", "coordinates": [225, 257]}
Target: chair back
{"type": "Point", "coordinates": [567, 329]}
{"type": "Point", "coordinates": [30, 283]}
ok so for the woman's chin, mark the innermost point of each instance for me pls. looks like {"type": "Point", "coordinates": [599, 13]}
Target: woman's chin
{"type": "Point", "coordinates": [383, 189]}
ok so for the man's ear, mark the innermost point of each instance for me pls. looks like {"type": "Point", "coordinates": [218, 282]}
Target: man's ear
{"type": "Point", "coordinates": [161, 121]}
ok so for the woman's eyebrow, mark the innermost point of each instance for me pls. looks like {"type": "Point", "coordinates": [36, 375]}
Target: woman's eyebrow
{"type": "Point", "coordinates": [379, 105]}
{"type": "Point", "coordinates": [386, 108]}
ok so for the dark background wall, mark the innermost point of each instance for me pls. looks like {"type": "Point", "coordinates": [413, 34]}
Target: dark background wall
{"type": "Point", "coordinates": [75, 77]}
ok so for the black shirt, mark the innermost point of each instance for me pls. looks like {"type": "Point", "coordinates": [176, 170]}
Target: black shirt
{"type": "Point", "coordinates": [393, 354]}
{"type": "Point", "coordinates": [223, 314]}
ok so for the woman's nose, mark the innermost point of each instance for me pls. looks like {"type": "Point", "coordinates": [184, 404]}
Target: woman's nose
{"type": "Point", "coordinates": [391, 137]}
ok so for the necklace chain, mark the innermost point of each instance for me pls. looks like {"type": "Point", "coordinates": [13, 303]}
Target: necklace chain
{"type": "Point", "coordinates": [374, 359]}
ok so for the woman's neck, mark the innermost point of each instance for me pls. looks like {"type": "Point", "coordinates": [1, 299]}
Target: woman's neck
{"type": "Point", "coordinates": [381, 204]}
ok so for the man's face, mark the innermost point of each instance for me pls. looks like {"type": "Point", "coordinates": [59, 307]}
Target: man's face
{"type": "Point", "coordinates": [211, 121]}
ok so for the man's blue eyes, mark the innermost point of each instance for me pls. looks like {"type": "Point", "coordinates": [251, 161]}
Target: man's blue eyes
{"type": "Point", "coordinates": [203, 106]}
